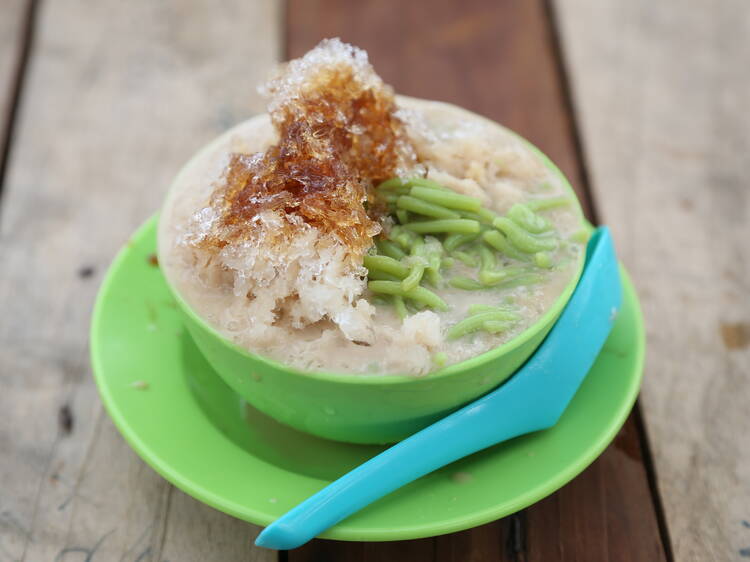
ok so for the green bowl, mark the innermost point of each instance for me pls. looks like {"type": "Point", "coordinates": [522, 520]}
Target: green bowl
{"type": "Point", "coordinates": [365, 408]}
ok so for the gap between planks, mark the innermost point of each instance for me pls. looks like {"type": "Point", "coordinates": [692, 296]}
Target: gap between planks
{"type": "Point", "coordinates": [16, 79]}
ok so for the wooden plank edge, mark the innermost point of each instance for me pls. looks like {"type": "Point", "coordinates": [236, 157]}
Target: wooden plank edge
{"type": "Point", "coordinates": [16, 84]}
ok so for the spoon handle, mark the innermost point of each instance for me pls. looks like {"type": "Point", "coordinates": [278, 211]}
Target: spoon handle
{"type": "Point", "coordinates": [466, 431]}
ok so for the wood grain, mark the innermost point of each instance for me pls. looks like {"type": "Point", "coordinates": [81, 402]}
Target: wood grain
{"type": "Point", "coordinates": [498, 59]}
{"type": "Point", "coordinates": [117, 96]}
{"type": "Point", "coordinates": [661, 90]}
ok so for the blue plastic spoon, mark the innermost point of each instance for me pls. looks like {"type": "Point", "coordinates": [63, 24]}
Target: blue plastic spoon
{"type": "Point", "coordinates": [533, 399]}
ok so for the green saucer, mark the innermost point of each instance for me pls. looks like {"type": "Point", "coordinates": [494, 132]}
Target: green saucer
{"type": "Point", "coordinates": [191, 428]}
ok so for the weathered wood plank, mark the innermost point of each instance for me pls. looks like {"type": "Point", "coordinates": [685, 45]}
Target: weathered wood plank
{"type": "Point", "coordinates": [499, 59]}
{"type": "Point", "coordinates": [661, 90]}
{"type": "Point", "coordinates": [117, 96]}
{"type": "Point", "coordinates": [13, 28]}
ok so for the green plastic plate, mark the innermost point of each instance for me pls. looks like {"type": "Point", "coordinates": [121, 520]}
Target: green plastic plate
{"type": "Point", "coordinates": [193, 430]}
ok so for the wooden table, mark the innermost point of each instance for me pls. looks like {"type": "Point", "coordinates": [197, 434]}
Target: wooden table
{"type": "Point", "coordinates": [642, 104]}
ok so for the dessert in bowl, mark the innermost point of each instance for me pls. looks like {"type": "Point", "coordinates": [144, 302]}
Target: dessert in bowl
{"type": "Point", "coordinates": [357, 264]}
